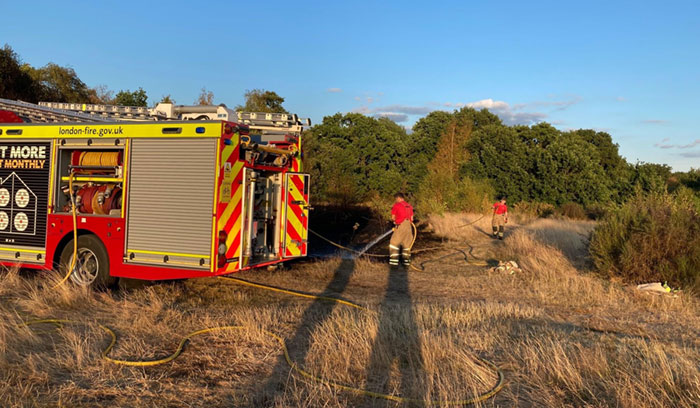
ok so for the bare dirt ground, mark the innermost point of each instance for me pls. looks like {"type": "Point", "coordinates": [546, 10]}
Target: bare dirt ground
{"type": "Point", "coordinates": [562, 336]}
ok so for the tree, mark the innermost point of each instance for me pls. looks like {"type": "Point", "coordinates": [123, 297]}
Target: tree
{"type": "Point", "coordinates": [499, 154]}
{"type": "Point", "coordinates": [540, 163]}
{"type": "Point", "coordinates": [51, 83]}
{"type": "Point", "coordinates": [650, 177]}
{"type": "Point", "coordinates": [429, 130]}
{"type": "Point", "coordinates": [205, 97]}
{"type": "Point", "coordinates": [616, 169]}
{"type": "Point", "coordinates": [260, 100]}
{"type": "Point", "coordinates": [101, 95]}
{"type": "Point", "coordinates": [444, 188]}
{"type": "Point", "coordinates": [129, 98]}
{"type": "Point", "coordinates": [59, 84]}
{"type": "Point", "coordinates": [690, 179]}
{"type": "Point", "coordinates": [167, 99]}
{"type": "Point", "coordinates": [352, 155]}
{"type": "Point", "coordinates": [15, 82]}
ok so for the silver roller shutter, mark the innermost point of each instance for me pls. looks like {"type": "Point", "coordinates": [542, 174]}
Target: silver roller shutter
{"type": "Point", "coordinates": [171, 192]}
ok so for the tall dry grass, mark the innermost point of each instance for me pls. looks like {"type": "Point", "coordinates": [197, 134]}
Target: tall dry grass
{"type": "Point", "coordinates": [562, 336]}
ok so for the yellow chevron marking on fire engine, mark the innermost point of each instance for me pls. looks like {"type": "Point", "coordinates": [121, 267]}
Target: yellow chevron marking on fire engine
{"type": "Point", "coordinates": [236, 228]}
{"type": "Point", "coordinates": [296, 223]}
{"type": "Point", "coordinates": [228, 211]}
{"type": "Point", "coordinates": [226, 154]}
{"type": "Point", "coordinates": [235, 197]}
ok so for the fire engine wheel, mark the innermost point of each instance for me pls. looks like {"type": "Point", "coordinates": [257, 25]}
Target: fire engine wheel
{"type": "Point", "coordinates": [92, 264]}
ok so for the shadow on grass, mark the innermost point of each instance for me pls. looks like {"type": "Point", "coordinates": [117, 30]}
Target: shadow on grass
{"type": "Point", "coordinates": [397, 344]}
{"type": "Point", "coordinates": [300, 343]}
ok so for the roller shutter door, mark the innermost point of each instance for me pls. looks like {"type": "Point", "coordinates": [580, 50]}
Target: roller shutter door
{"type": "Point", "coordinates": [171, 190]}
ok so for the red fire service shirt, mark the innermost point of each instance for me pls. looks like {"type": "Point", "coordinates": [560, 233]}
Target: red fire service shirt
{"type": "Point", "coordinates": [500, 208]}
{"type": "Point", "coordinates": [402, 211]}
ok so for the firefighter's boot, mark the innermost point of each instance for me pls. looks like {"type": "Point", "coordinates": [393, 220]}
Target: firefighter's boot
{"type": "Point", "coordinates": [394, 255]}
{"type": "Point", "coordinates": [500, 232]}
{"type": "Point", "coordinates": [406, 257]}
{"type": "Point", "coordinates": [495, 232]}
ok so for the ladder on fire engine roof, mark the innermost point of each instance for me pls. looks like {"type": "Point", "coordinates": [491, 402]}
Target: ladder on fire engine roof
{"type": "Point", "coordinates": [35, 113]}
{"type": "Point", "coordinates": [273, 123]}
{"type": "Point", "coordinates": [266, 124]}
{"type": "Point", "coordinates": [107, 112]}
{"type": "Point", "coordinates": [262, 122]}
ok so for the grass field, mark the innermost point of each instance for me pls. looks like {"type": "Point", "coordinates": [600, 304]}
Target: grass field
{"type": "Point", "coordinates": [562, 336]}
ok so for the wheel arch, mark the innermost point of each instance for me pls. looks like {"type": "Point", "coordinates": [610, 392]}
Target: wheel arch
{"type": "Point", "coordinates": [65, 240]}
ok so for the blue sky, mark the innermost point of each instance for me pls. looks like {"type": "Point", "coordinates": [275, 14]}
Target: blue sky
{"type": "Point", "coordinates": [629, 68]}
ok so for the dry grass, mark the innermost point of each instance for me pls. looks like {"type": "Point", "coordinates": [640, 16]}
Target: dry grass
{"type": "Point", "coordinates": [562, 336]}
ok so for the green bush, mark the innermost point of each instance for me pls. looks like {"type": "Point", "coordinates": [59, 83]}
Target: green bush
{"type": "Point", "coordinates": [573, 210]}
{"type": "Point", "coordinates": [596, 211]}
{"type": "Point", "coordinates": [440, 193]}
{"type": "Point", "coordinates": [652, 237]}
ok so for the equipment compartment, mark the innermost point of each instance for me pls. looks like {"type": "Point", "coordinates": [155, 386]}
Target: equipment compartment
{"type": "Point", "coordinates": [96, 174]}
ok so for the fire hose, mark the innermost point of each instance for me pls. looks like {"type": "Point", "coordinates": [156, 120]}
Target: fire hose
{"type": "Point", "coordinates": [97, 159]}
{"type": "Point", "coordinates": [413, 241]}
{"type": "Point", "coordinates": [74, 258]}
{"type": "Point", "coordinates": [293, 365]}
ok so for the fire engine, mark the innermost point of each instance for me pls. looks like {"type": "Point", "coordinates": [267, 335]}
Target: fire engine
{"type": "Point", "coordinates": [157, 194]}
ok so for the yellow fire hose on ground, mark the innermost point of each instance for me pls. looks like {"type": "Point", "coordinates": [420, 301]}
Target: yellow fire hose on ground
{"type": "Point", "coordinates": [59, 323]}
{"type": "Point", "coordinates": [294, 366]}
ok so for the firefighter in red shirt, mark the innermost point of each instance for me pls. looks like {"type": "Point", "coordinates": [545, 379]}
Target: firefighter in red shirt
{"type": "Point", "coordinates": [400, 244]}
{"type": "Point", "coordinates": [500, 218]}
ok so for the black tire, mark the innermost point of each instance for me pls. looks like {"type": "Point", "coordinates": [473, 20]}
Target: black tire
{"type": "Point", "coordinates": [92, 267]}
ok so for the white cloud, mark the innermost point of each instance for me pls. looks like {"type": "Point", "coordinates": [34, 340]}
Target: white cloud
{"type": "Point", "coordinates": [510, 115]}
{"type": "Point", "coordinates": [409, 110]}
{"type": "Point", "coordinates": [394, 110]}
{"type": "Point", "coordinates": [395, 116]}
{"type": "Point", "coordinates": [335, 90]}
{"type": "Point", "coordinates": [621, 99]}
{"type": "Point", "coordinates": [665, 145]}
{"type": "Point", "coordinates": [655, 121]}
{"type": "Point", "coordinates": [690, 155]}
{"type": "Point", "coordinates": [518, 114]}
{"type": "Point", "coordinates": [489, 104]}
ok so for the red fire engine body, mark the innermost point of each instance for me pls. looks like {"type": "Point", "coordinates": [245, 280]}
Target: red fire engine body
{"type": "Point", "coordinates": [156, 200]}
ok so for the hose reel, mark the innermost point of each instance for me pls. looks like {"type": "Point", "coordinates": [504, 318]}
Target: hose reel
{"type": "Point", "coordinates": [92, 197]}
